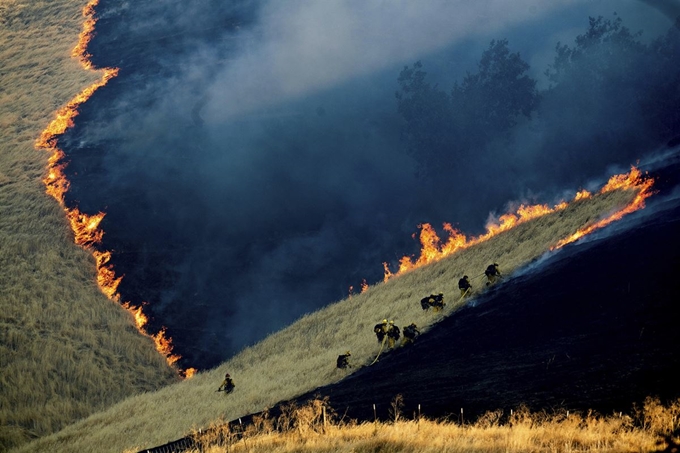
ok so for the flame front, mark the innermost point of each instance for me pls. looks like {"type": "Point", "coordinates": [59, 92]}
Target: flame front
{"type": "Point", "coordinates": [87, 232]}
{"type": "Point", "coordinates": [629, 181]}
{"type": "Point", "coordinates": [432, 248]}
{"type": "Point", "coordinates": [164, 346]}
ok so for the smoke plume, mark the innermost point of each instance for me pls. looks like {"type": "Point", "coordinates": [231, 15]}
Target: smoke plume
{"type": "Point", "coordinates": [250, 156]}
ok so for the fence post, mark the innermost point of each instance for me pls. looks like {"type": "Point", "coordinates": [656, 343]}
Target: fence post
{"type": "Point", "coordinates": [243, 434]}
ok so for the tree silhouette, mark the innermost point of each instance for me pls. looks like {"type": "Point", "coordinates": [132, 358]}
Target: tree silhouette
{"type": "Point", "coordinates": [498, 93]}
{"type": "Point", "coordinates": [443, 130]}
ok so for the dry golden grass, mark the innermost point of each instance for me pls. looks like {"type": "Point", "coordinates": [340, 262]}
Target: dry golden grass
{"type": "Point", "coordinates": [304, 431]}
{"type": "Point", "coordinates": [65, 350]}
{"type": "Point", "coordinates": [302, 356]}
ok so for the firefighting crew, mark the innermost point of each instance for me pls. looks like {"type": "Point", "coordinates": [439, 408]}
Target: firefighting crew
{"type": "Point", "coordinates": [387, 331]}
{"type": "Point", "coordinates": [434, 301]}
{"type": "Point", "coordinates": [492, 273]}
{"type": "Point", "coordinates": [227, 385]}
{"type": "Point", "coordinates": [464, 286]}
{"type": "Point", "coordinates": [343, 360]}
{"type": "Point", "coordinates": [411, 332]}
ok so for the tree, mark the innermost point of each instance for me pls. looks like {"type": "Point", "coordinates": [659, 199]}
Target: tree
{"type": "Point", "coordinates": [605, 49]}
{"type": "Point", "coordinates": [426, 111]}
{"type": "Point", "coordinates": [662, 87]}
{"type": "Point", "coordinates": [593, 114]}
{"type": "Point", "coordinates": [501, 91]}
{"type": "Point", "coordinates": [442, 130]}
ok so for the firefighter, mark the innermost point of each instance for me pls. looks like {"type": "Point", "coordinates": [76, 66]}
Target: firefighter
{"type": "Point", "coordinates": [411, 332]}
{"type": "Point", "coordinates": [492, 273]}
{"type": "Point", "coordinates": [343, 360]}
{"type": "Point", "coordinates": [227, 385]}
{"type": "Point", "coordinates": [393, 334]}
{"type": "Point", "coordinates": [381, 330]}
{"type": "Point", "coordinates": [464, 286]}
{"type": "Point", "coordinates": [434, 301]}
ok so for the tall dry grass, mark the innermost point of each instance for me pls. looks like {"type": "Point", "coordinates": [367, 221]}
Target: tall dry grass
{"type": "Point", "coordinates": [302, 356]}
{"type": "Point", "coordinates": [309, 429]}
{"type": "Point", "coordinates": [65, 350]}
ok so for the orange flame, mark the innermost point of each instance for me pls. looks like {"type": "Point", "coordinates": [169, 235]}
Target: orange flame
{"type": "Point", "coordinates": [582, 195]}
{"type": "Point", "coordinates": [364, 286]}
{"type": "Point", "coordinates": [630, 181]}
{"type": "Point", "coordinates": [87, 232]}
{"type": "Point", "coordinates": [164, 346]}
{"type": "Point", "coordinates": [388, 273]}
{"type": "Point", "coordinates": [140, 317]}
{"type": "Point", "coordinates": [432, 248]}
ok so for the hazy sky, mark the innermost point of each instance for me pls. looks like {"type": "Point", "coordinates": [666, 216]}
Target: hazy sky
{"type": "Point", "coordinates": [249, 155]}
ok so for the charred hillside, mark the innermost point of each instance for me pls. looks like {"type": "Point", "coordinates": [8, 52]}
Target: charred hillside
{"type": "Point", "coordinates": [594, 326]}
{"type": "Point", "coordinates": [212, 174]}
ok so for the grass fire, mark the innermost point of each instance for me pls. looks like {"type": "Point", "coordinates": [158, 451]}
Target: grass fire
{"type": "Point", "coordinates": [211, 178]}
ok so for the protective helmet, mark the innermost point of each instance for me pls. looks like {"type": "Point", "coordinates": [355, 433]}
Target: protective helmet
{"type": "Point", "coordinates": [384, 321]}
{"type": "Point", "coordinates": [391, 322]}
{"type": "Point", "coordinates": [495, 264]}
{"type": "Point", "coordinates": [348, 353]}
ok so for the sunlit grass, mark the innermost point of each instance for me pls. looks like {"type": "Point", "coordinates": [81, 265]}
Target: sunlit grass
{"type": "Point", "coordinates": [301, 357]}
{"type": "Point", "coordinates": [65, 350]}
{"type": "Point", "coordinates": [306, 430]}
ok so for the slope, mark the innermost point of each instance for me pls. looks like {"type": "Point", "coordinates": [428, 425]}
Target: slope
{"type": "Point", "coordinates": [301, 357]}
{"type": "Point", "coordinates": [65, 350]}
{"type": "Point", "coordinates": [594, 326]}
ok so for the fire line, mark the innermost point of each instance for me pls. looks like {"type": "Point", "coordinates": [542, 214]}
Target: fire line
{"type": "Point", "coordinates": [432, 248]}
{"type": "Point", "coordinates": [87, 232]}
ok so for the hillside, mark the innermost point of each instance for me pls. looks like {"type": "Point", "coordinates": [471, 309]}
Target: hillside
{"type": "Point", "coordinates": [301, 357]}
{"type": "Point", "coordinates": [65, 350]}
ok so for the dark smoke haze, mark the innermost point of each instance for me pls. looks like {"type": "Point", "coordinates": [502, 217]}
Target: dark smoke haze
{"type": "Point", "coordinates": [252, 162]}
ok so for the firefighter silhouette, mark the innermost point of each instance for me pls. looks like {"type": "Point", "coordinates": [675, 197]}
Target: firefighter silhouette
{"type": "Point", "coordinates": [464, 286]}
{"type": "Point", "coordinates": [411, 332]}
{"type": "Point", "coordinates": [227, 385]}
{"type": "Point", "coordinates": [433, 301]}
{"type": "Point", "coordinates": [492, 273]}
{"type": "Point", "coordinates": [381, 330]}
{"type": "Point", "coordinates": [393, 334]}
{"type": "Point", "coordinates": [343, 360]}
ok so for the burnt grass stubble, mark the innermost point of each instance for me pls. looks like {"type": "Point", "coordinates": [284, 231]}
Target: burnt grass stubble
{"type": "Point", "coordinates": [597, 327]}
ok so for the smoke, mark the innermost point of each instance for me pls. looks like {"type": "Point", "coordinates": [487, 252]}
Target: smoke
{"type": "Point", "coordinates": [249, 156]}
{"type": "Point", "coordinates": [301, 47]}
